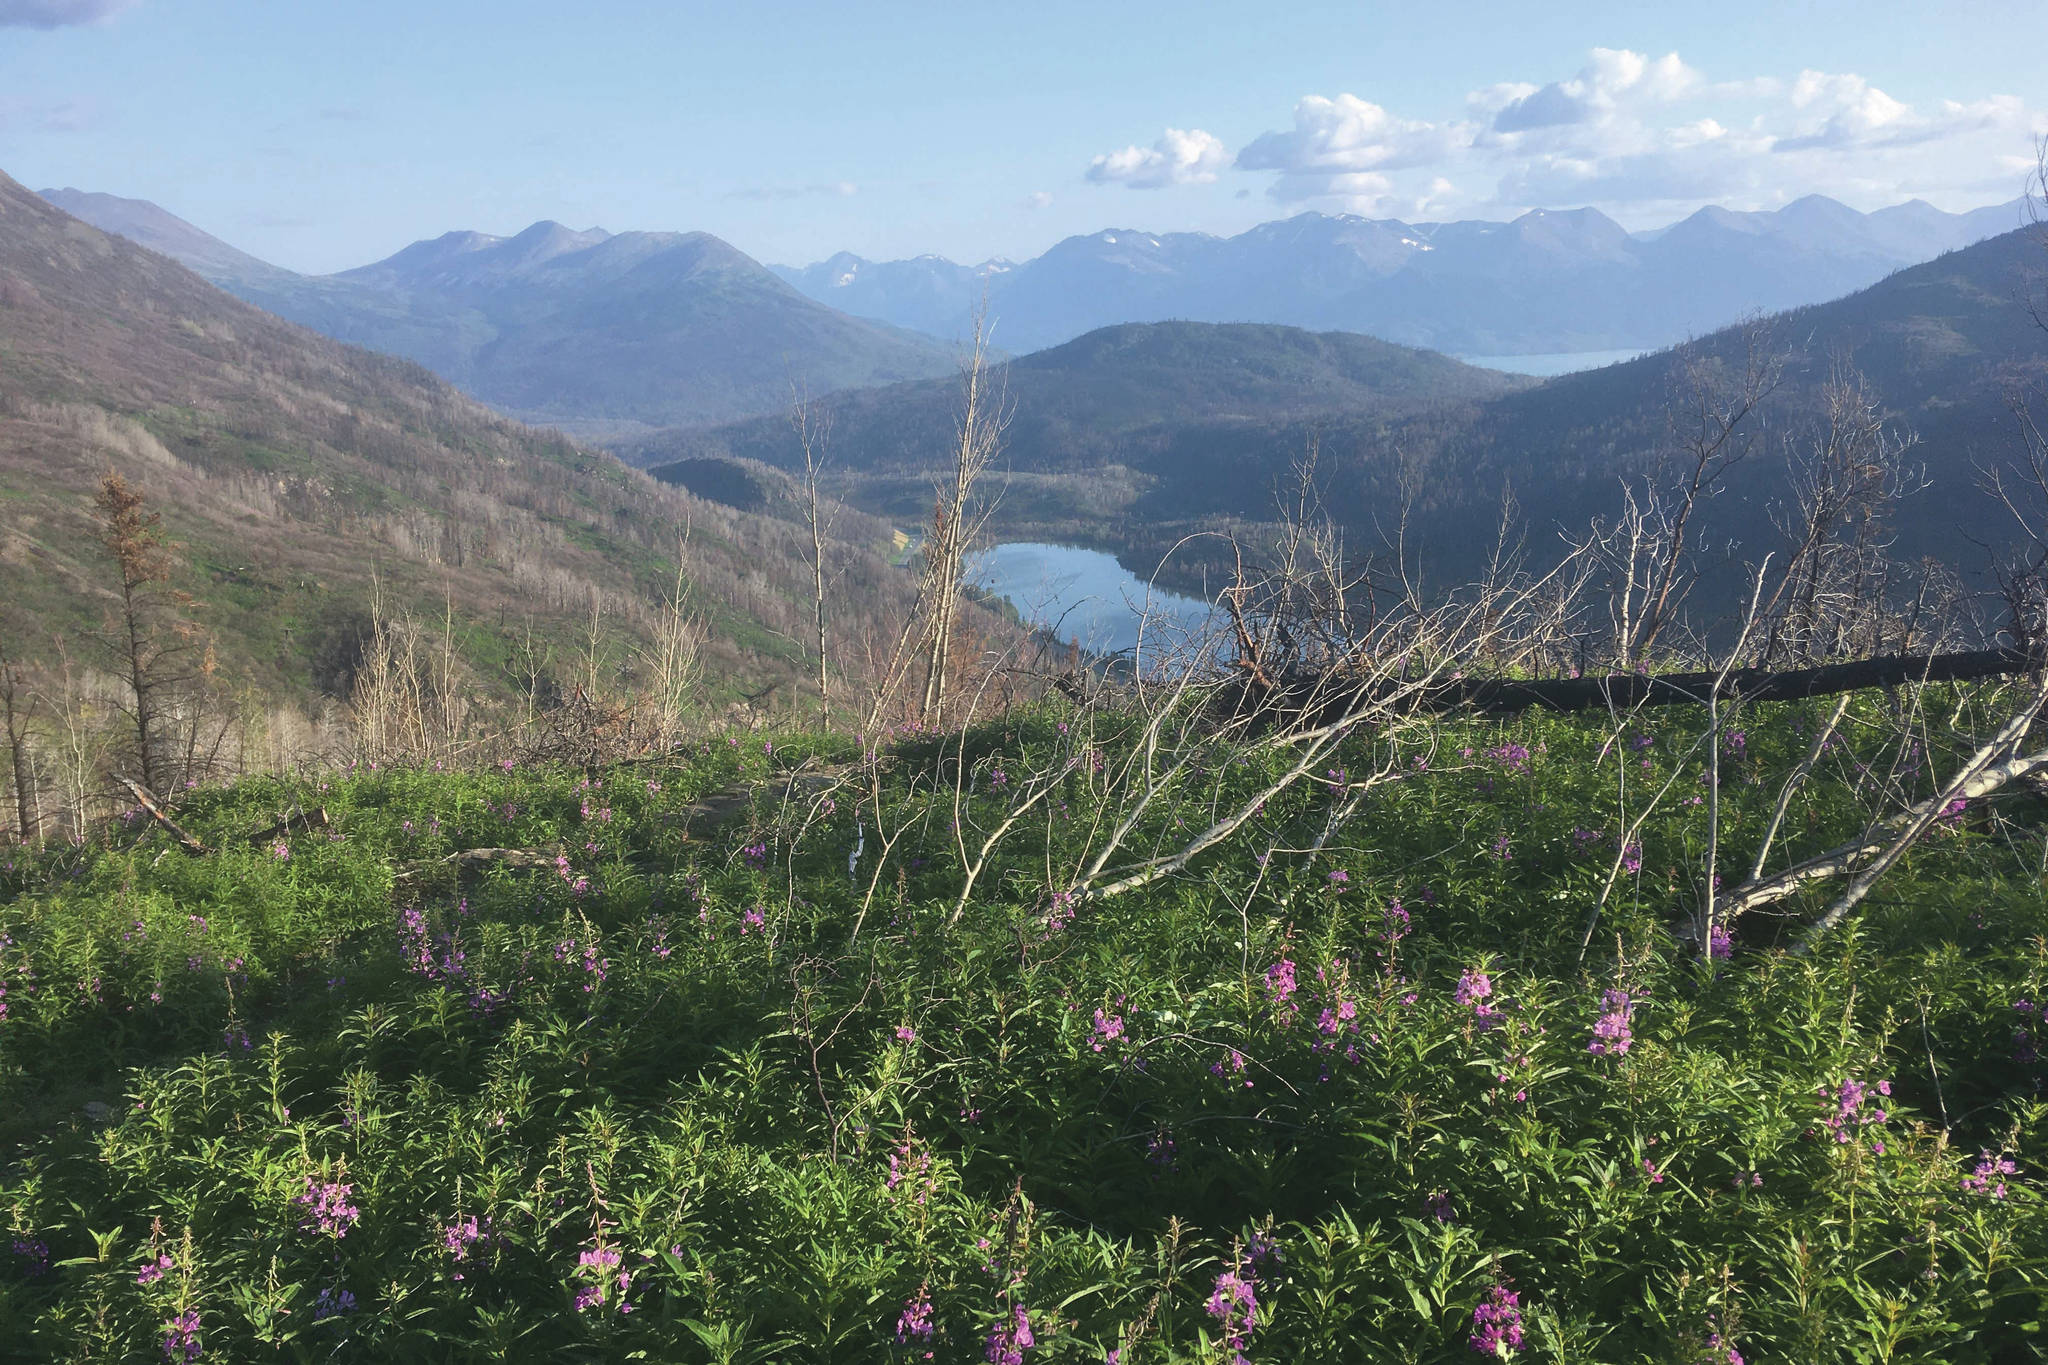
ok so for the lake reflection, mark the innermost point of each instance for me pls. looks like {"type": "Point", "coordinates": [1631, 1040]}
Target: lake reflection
{"type": "Point", "coordinates": [1084, 596]}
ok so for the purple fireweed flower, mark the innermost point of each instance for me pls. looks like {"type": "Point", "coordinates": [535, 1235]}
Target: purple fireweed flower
{"type": "Point", "coordinates": [911, 1162]}
{"type": "Point", "coordinates": [1395, 923]}
{"type": "Point", "coordinates": [1850, 1118]}
{"type": "Point", "coordinates": [1720, 943]}
{"type": "Point", "coordinates": [905, 1034]}
{"type": "Point", "coordinates": [1513, 757]}
{"type": "Point", "coordinates": [1989, 1177]}
{"type": "Point", "coordinates": [328, 1210]}
{"type": "Point", "coordinates": [1281, 985]}
{"type": "Point", "coordinates": [1340, 879]}
{"type": "Point", "coordinates": [1611, 1034]}
{"type": "Point", "coordinates": [1440, 1207]}
{"type": "Point", "coordinates": [152, 1271]}
{"type": "Point", "coordinates": [462, 1237]}
{"type": "Point", "coordinates": [1497, 1323]}
{"type": "Point", "coordinates": [756, 855]}
{"type": "Point", "coordinates": [1473, 988]}
{"type": "Point", "coordinates": [915, 1322]}
{"type": "Point", "coordinates": [1109, 1028]}
{"type": "Point", "coordinates": [754, 919]}
{"type": "Point", "coordinates": [36, 1252]}
{"type": "Point", "coordinates": [1234, 1303]}
{"type": "Point", "coordinates": [598, 1268]}
{"type": "Point", "coordinates": [1229, 1066]}
{"type": "Point", "coordinates": [1011, 1338]}
{"type": "Point", "coordinates": [181, 1337]}
{"type": "Point", "coordinates": [1720, 1346]}
{"type": "Point", "coordinates": [332, 1303]}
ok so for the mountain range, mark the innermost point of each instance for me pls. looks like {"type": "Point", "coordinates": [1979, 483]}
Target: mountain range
{"type": "Point", "coordinates": [1133, 436]}
{"type": "Point", "coordinates": [563, 326]}
{"type": "Point", "coordinates": [292, 470]}
{"type": "Point", "coordinates": [1547, 282]}
{"type": "Point", "coordinates": [1093, 423]}
{"type": "Point", "coordinates": [608, 335]}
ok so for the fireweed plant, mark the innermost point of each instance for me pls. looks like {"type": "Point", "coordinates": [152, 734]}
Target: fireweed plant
{"type": "Point", "coordinates": [765, 1089]}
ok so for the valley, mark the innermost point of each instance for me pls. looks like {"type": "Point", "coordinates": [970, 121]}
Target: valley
{"type": "Point", "coordinates": [1439, 754]}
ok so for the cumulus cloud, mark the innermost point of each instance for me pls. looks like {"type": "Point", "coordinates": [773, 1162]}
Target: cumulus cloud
{"type": "Point", "coordinates": [1644, 137]}
{"type": "Point", "coordinates": [1347, 148]}
{"type": "Point", "coordinates": [1190, 157]}
{"type": "Point", "coordinates": [1612, 77]}
{"type": "Point", "coordinates": [58, 13]}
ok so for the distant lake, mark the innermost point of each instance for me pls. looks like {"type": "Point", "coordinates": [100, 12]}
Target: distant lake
{"type": "Point", "coordinates": [1084, 596]}
{"type": "Point", "coordinates": [1545, 366]}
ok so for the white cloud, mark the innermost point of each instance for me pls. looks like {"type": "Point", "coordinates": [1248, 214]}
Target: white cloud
{"type": "Point", "coordinates": [1190, 157]}
{"type": "Point", "coordinates": [1647, 139]}
{"type": "Point", "coordinates": [1038, 199]}
{"type": "Point", "coordinates": [1613, 77]}
{"type": "Point", "coordinates": [58, 13]}
{"type": "Point", "coordinates": [1346, 148]}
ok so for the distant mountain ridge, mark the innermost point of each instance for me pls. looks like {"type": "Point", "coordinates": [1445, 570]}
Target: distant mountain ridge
{"type": "Point", "coordinates": [553, 324]}
{"type": "Point", "coordinates": [292, 470]}
{"type": "Point", "coordinates": [1097, 422]}
{"type": "Point", "coordinates": [1549, 281]}
{"type": "Point", "coordinates": [1134, 437]}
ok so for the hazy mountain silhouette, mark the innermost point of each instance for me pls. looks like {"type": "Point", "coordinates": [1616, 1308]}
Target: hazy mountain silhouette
{"type": "Point", "coordinates": [555, 324]}
{"type": "Point", "coordinates": [1546, 282]}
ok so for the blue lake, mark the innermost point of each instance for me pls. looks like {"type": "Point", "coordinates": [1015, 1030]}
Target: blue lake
{"type": "Point", "coordinates": [1085, 597]}
{"type": "Point", "coordinates": [1546, 366]}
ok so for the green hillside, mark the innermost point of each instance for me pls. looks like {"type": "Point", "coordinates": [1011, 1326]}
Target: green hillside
{"type": "Point", "coordinates": [292, 469]}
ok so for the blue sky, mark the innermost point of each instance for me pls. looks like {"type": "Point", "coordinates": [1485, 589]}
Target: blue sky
{"type": "Point", "coordinates": [324, 135]}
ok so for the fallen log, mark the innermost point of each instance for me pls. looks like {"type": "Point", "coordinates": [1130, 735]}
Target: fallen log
{"type": "Point", "coordinates": [155, 811]}
{"type": "Point", "coordinates": [476, 859]}
{"type": "Point", "coordinates": [1626, 691]}
{"type": "Point", "coordinates": [297, 820]}
{"type": "Point", "coordinates": [1495, 696]}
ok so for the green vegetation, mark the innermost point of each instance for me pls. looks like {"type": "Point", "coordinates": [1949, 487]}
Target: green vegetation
{"type": "Point", "coordinates": [749, 1080]}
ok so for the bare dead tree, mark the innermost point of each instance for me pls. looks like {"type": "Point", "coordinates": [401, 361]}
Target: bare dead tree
{"type": "Point", "coordinates": [672, 660]}
{"type": "Point", "coordinates": [2036, 296]}
{"type": "Point", "coordinates": [813, 433]}
{"type": "Point", "coordinates": [1716, 423]}
{"type": "Point", "coordinates": [1845, 478]}
{"type": "Point", "coordinates": [18, 707]}
{"type": "Point", "coordinates": [157, 650]}
{"type": "Point", "coordinates": [957, 517]}
{"type": "Point", "coordinates": [1996, 763]}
